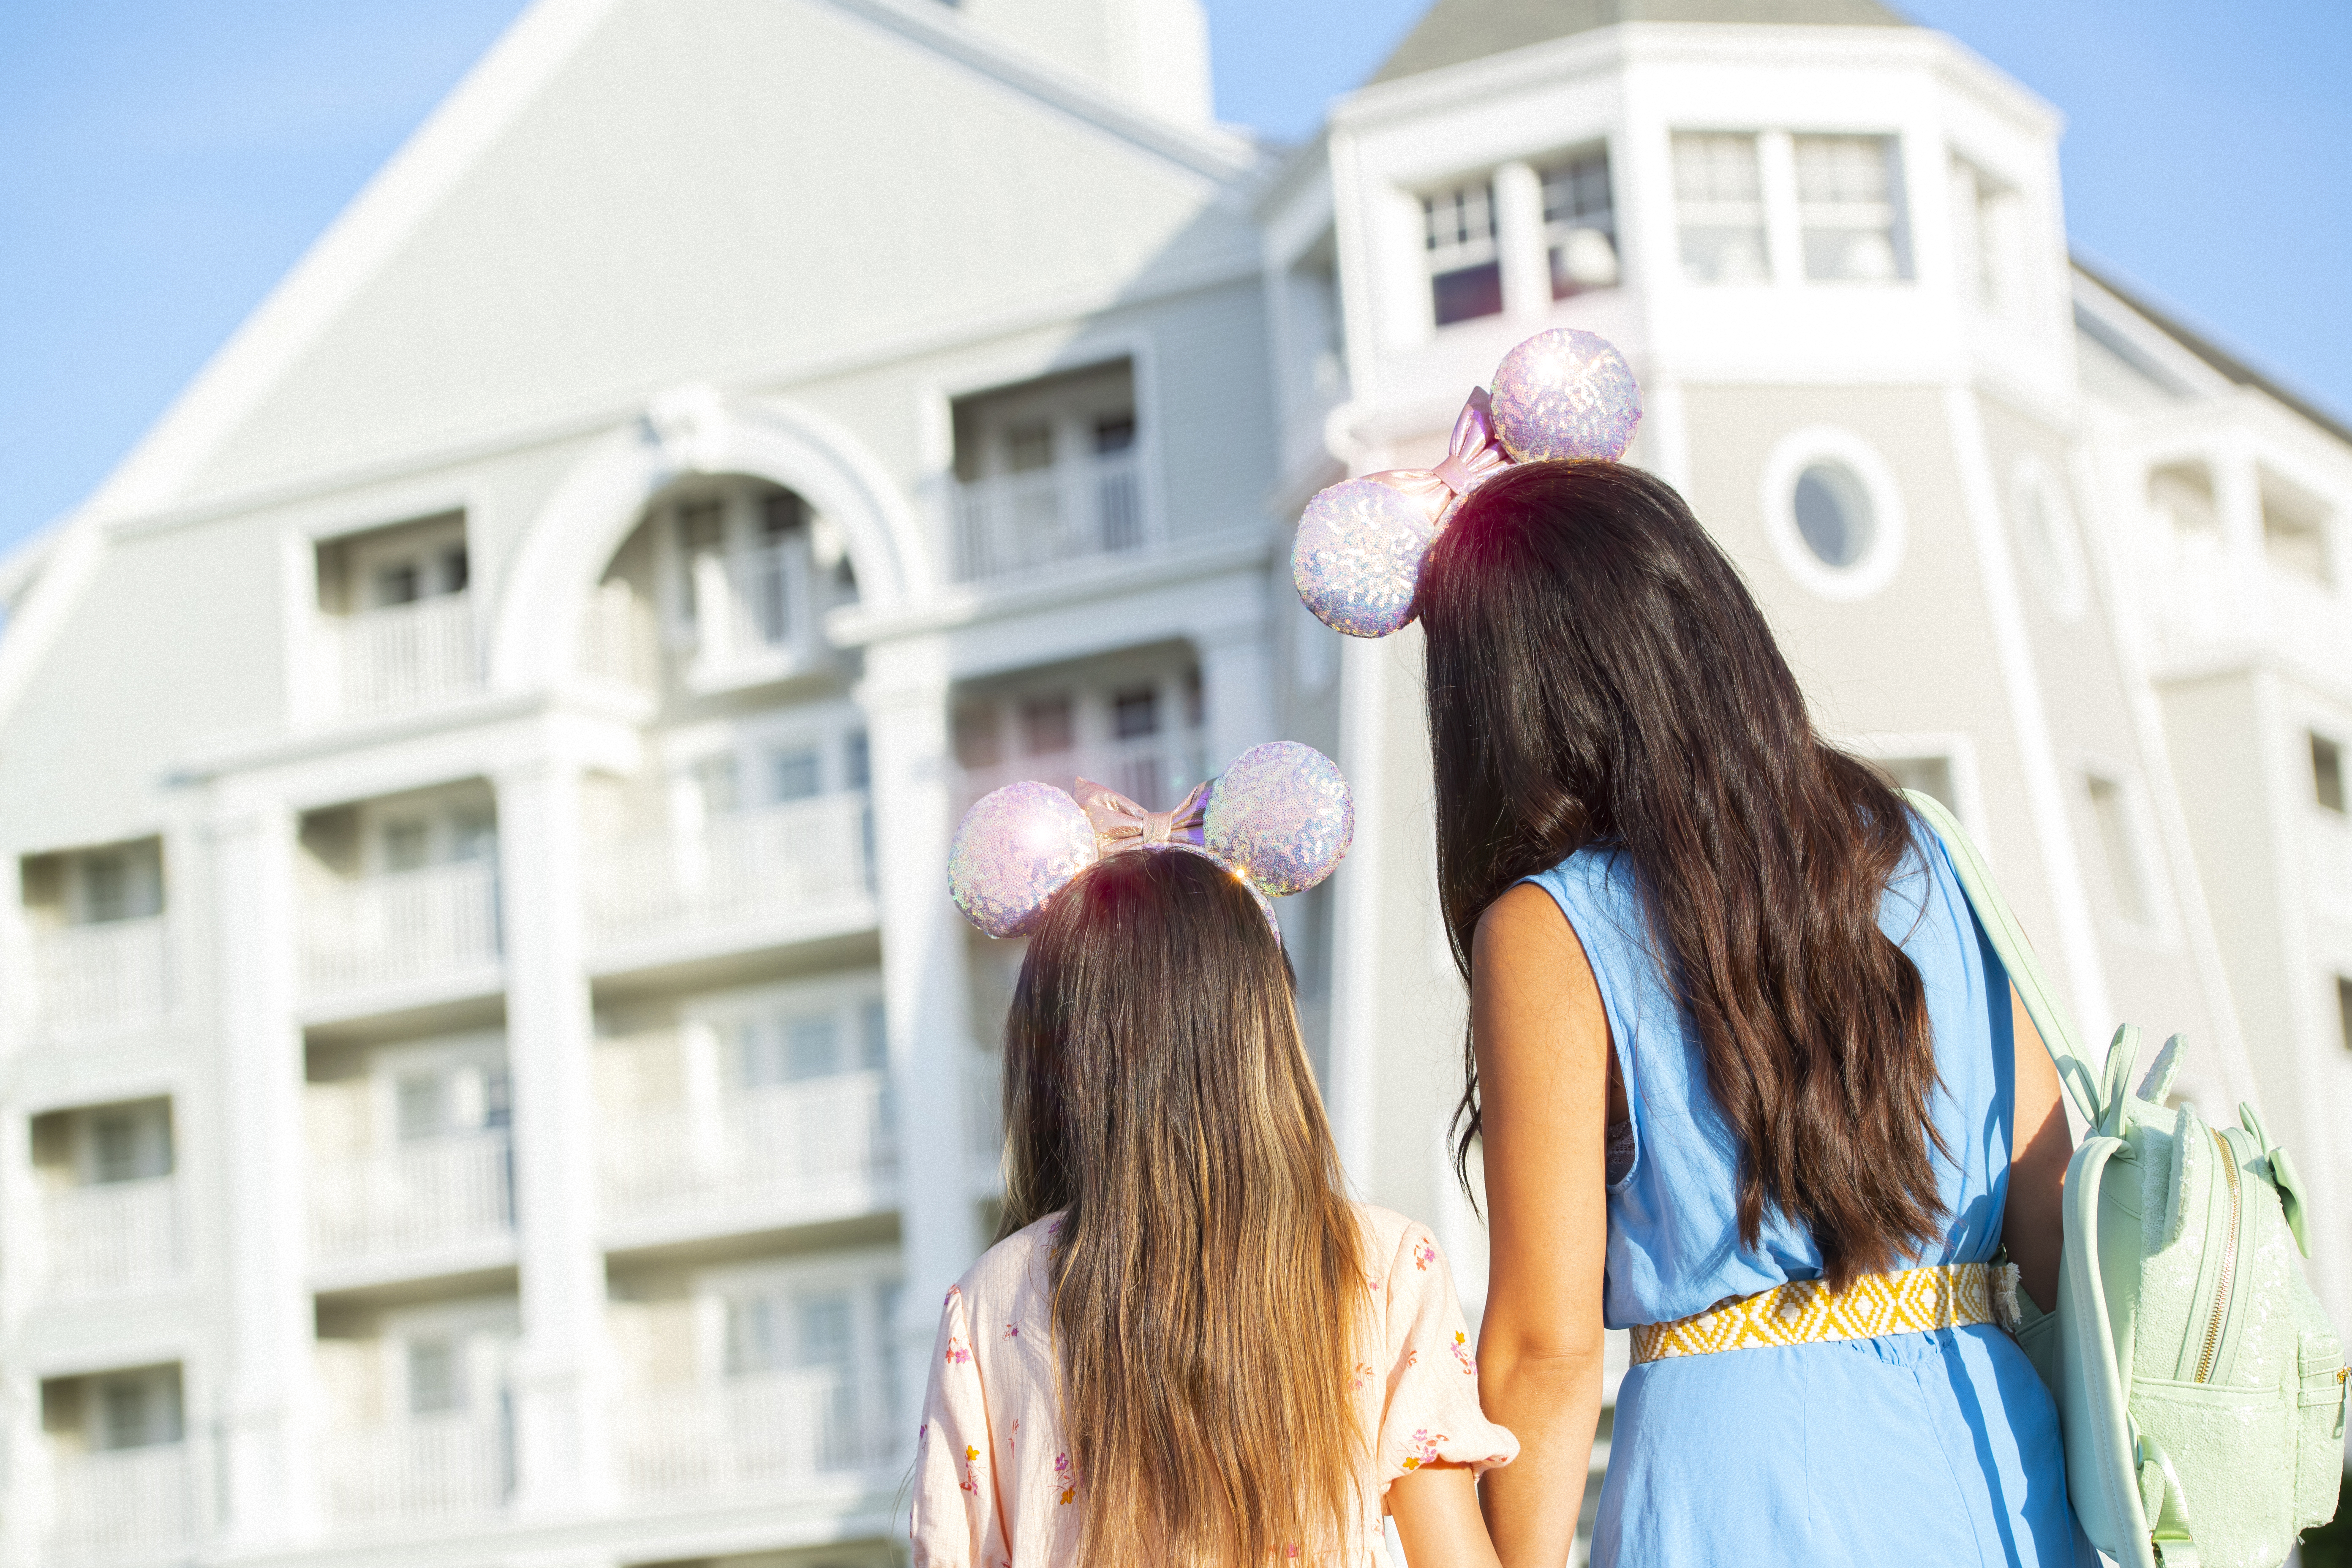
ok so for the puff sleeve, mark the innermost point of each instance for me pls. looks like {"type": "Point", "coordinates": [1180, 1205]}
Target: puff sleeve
{"type": "Point", "coordinates": [1431, 1414]}
{"type": "Point", "coordinates": [958, 1518]}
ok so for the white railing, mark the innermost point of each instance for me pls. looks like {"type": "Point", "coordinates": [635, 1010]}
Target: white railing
{"type": "Point", "coordinates": [102, 978]}
{"type": "Point", "coordinates": [404, 655]}
{"type": "Point", "coordinates": [425, 1468]}
{"type": "Point", "coordinates": [983, 1116]}
{"type": "Point", "coordinates": [112, 1239]}
{"type": "Point", "coordinates": [1153, 771]}
{"type": "Point", "coordinates": [1021, 522]}
{"type": "Point", "coordinates": [415, 1202]}
{"type": "Point", "coordinates": [400, 928]}
{"type": "Point", "coordinates": [773, 1431]}
{"type": "Point", "coordinates": [822, 1147]}
{"type": "Point", "coordinates": [2206, 602]}
{"type": "Point", "coordinates": [122, 1507]}
{"type": "Point", "coordinates": [801, 862]}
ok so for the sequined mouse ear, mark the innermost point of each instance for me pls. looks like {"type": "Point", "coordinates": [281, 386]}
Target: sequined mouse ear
{"type": "Point", "coordinates": [1565, 394]}
{"type": "Point", "coordinates": [1015, 848]}
{"type": "Point", "coordinates": [1281, 817]}
{"type": "Point", "coordinates": [1358, 555]}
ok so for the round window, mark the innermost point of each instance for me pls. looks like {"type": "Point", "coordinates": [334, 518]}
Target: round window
{"type": "Point", "coordinates": [1834, 514]}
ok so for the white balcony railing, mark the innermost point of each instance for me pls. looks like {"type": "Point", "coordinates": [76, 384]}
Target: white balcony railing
{"type": "Point", "coordinates": [2208, 603]}
{"type": "Point", "coordinates": [776, 1433]}
{"type": "Point", "coordinates": [114, 1238]}
{"type": "Point", "coordinates": [805, 863]}
{"type": "Point", "coordinates": [416, 1203]}
{"type": "Point", "coordinates": [616, 636]}
{"type": "Point", "coordinates": [1022, 523]}
{"type": "Point", "coordinates": [435, 924]}
{"type": "Point", "coordinates": [1153, 771]}
{"type": "Point", "coordinates": [450, 1465]}
{"type": "Point", "coordinates": [404, 656]}
{"type": "Point", "coordinates": [104, 978]}
{"type": "Point", "coordinates": [771, 1156]}
{"type": "Point", "coordinates": [122, 1507]}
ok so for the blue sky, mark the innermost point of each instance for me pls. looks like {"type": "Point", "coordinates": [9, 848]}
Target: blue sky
{"type": "Point", "coordinates": [163, 162]}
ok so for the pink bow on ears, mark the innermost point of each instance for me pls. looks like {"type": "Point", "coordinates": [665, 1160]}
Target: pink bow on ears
{"type": "Point", "coordinates": [1357, 559]}
{"type": "Point", "coordinates": [1120, 824]}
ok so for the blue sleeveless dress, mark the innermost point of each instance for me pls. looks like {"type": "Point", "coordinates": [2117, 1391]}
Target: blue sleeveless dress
{"type": "Point", "coordinates": [1921, 1449]}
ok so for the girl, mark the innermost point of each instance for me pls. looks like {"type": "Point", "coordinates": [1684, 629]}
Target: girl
{"type": "Point", "coordinates": [1746, 1077]}
{"type": "Point", "coordinates": [1188, 1348]}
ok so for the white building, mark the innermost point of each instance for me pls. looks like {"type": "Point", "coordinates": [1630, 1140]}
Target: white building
{"type": "Point", "coordinates": [487, 1070]}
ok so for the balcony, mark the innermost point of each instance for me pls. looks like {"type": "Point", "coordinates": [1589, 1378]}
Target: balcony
{"type": "Point", "coordinates": [1153, 771]}
{"type": "Point", "coordinates": [122, 1507]}
{"type": "Point", "coordinates": [457, 1465]}
{"type": "Point", "coordinates": [751, 878]}
{"type": "Point", "coordinates": [778, 1434]}
{"type": "Point", "coordinates": [772, 1156]}
{"type": "Point", "coordinates": [114, 1238]}
{"type": "Point", "coordinates": [2208, 604]}
{"type": "Point", "coordinates": [400, 656]}
{"type": "Point", "coordinates": [1024, 522]}
{"type": "Point", "coordinates": [433, 929]}
{"type": "Point", "coordinates": [103, 978]}
{"type": "Point", "coordinates": [438, 1207]}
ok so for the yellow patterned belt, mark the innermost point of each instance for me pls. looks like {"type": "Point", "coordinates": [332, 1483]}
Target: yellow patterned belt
{"type": "Point", "coordinates": [1806, 1312]}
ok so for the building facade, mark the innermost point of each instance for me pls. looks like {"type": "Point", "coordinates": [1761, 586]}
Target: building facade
{"type": "Point", "coordinates": [487, 1070]}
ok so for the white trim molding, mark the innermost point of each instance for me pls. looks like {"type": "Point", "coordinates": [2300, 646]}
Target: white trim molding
{"type": "Point", "coordinates": [1881, 555]}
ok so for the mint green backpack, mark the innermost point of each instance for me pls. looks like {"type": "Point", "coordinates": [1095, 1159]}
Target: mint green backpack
{"type": "Point", "coordinates": [2199, 1385]}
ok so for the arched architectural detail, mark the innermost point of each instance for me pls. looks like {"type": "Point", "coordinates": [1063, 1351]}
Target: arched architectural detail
{"type": "Point", "coordinates": [692, 430]}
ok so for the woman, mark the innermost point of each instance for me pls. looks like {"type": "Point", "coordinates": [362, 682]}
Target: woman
{"type": "Point", "coordinates": [1732, 1026]}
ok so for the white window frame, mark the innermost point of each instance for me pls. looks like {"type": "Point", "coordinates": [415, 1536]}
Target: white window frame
{"type": "Point", "coordinates": [1759, 140]}
{"type": "Point", "coordinates": [707, 1021]}
{"type": "Point", "coordinates": [1464, 251]}
{"type": "Point", "coordinates": [1958, 749]}
{"type": "Point", "coordinates": [2063, 578]}
{"type": "Point", "coordinates": [1898, 225]}
{"type": "Point", "coordinates": [1787, 460]}
{"type": "Point", "coordinates": [2158, 929]}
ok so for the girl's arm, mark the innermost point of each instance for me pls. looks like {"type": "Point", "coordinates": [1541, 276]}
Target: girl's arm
{"type": "Point", "coordinates": [1436, 1510]}
{"type": "Point", "coordinates": [2040, 1146]}
{"type": "Point", "coordinates": [1542, 1037]}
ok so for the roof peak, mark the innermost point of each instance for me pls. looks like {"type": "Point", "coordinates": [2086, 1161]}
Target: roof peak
{"type": "Point", "coordinates": [1453, 32]}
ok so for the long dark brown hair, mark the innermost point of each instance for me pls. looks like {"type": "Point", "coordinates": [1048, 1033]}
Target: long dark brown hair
{"type": "Point", "coordinates": [1207, 1277]}
{"type": "Point", "coordinates": [1599, 673]}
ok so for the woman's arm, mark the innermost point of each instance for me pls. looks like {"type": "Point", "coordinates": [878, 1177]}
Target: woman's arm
{"type": "Point", "coordinates": [1542, 1037]}
{"type": "Point", "coordinates": [1436, 1510]}
{"type": "Point", "coordinates": [2033, 1224]}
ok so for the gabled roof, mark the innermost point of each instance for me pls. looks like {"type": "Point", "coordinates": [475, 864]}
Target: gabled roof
{"type": "Point", "coordinates": [2234, 369]}
{"type": "Point", "coordinates": [1453, 32]}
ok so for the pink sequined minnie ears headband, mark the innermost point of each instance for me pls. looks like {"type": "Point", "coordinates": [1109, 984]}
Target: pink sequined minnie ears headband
{"type": "Point", "coordinates": [1279, 819]}
{"type": "Point", "coordinates": [1561, 393]}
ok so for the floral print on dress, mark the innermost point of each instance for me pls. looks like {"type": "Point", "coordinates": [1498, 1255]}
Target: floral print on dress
{"type": "Point", "coordinates": [1424, 1448]}
{"type": "Point", "coordinates": [958, 1352]}
{"type": "Point", "coordinates": [1462, 1352]}
{"type": "Point", "coordinates": [1065, 1477]}
{"type": "Point", "coordinates": [1361, 1378]}
{"type": "Point", "coordinates": [1424, 1253]}
{"type": "Point", "coordinates": [1011, 1331]}
{"type": "Point", "coordinates": [972, 1469]}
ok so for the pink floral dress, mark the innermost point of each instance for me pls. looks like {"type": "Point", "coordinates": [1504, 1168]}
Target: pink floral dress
{"type": "Point", "coordinates": [996, 1485]}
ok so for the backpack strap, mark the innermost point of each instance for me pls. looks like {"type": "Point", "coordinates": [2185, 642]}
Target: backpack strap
{"type": "Point", "coordinates": [2009, 943]}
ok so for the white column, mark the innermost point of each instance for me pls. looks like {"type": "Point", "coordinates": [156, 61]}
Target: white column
{"type": "Point", "coordinates": [923, 985]}
{"type": "Point", "coordinates": [562, 1364]}
{"type": "Point", "coordinates": [1518, 240]}
{"type": "Point", "coordinates": [23, 1459]}
{"type": "Point", "coordinates": [268, 1406]}
{"type": "Point", "coordinates": [1237, 684]}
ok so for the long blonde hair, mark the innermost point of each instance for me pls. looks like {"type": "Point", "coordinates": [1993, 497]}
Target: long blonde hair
{"type": "Point", "coordinates": [1207, 1275]}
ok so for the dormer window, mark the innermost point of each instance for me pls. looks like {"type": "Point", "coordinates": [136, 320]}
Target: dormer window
{"type": "Point", "coordinates": [1580, 224]}
{"type": "Point", "coordinates": [1466, 268]}
{"type": "Point", "coordinates": [1720, 208]}
{"type": "Point", "coordinates": [1848, 211]}
{"type": "Point", "coordinates": [1047, 473]}
{"type": "Point", "coordinates": [400, 627]}
{"type": "Point", "coordinates": [1986, 214]}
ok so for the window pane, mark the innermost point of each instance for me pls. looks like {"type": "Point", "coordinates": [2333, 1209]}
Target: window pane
{"type": "Point", "coordinates": [1834, 514]}
{"type": "Point", "coordinates": [754, 1334]}
{"type": "Point", "coordinates": [1846, 206]}
{"type": "Point", "coordinates": [1465, 276]}
{"type": "Point", "coordinates": [780, 514]}
{"type": "Point", "coordinates": [397, 585]}
{"type": "Point", "coordinates": [2327, 773]}
{"type": "Point", "coordinates": [106, 885]}
{"type": "Point", "coordinates": [824, 1331]}
{"type": "Point", "coordinates": [793, 775]}
{"type": "Point", "coordinates": [759, 1052]}
{"type": "Point", "coordinates": [420, 1106]}
{"type": "Point", "coordinates": [1580, 225]}
{"type": "Point", "coordinates": [437, 1377]}
{"type": "Point", "coordinates": [811, 1047]}
{"type": "Point", "coordinates": [873, 1037]}
{"type": "Point", "coordinates": [1048, 725]}
{"type": "Point", "coordinates": [1135, 712]}
{"type": "Point", "coordinates": [114, 1148]}
{"type": "Point", "coordinates": [1720, 208]}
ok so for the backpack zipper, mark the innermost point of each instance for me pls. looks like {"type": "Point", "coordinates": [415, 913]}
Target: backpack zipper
{"type": "Point", "coordinates": [2229, 1266]}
